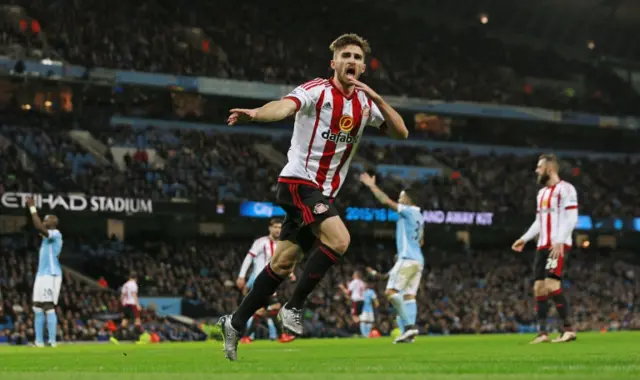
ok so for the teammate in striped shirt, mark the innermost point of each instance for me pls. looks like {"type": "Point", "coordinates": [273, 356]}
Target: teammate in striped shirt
{"type": "Point", "coordinates": [363, 301]}
{"type": "Point", "coordinates": [330, 117]}
{"type": "Point", "coordinates": [131, 303]}
{"type": "Point", "coordinates": [556, 217]}
{"type": "Point", "coordinates": [46, 287]}
{"type": "Point", "coordinates": [355, 292]}
{"type": "Point", "coordinates": [258, 256]}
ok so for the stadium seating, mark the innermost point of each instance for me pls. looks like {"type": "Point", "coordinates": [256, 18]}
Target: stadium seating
{"type": "Point", "coordinates": [472, 164]}
{"type": "Point", "coordinates": [85, 312]}
{"type": "Point", "coordinates": [466, 291]}
{"type": "Point", "coordinates": [252, 41]}
{"type": "Point", "coordinates": [227, 168]}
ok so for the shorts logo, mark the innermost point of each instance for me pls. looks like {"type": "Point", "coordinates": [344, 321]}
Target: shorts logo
{"type": "Point", "coordinates": [346, 123]}
{"type": "Point", "coordinates": [320, 208]}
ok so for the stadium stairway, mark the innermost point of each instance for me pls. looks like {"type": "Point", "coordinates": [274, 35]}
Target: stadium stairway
{"type": "Point", "coordinates": [429, 160]}
{"type": "Point", "coordinates": [91, 145]}
{"type": "Point", "coordinates": [26, 162]}
{"type": "Point", "coordinates": [83, 279]}
{"type": "Point", "coordinates": [271, 154]}
{"type": "Point", "coordinates": [119, 152]}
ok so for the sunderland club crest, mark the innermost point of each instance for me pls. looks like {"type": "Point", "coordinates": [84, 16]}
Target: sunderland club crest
{"type": "Point", "coordinates": [320, 208]}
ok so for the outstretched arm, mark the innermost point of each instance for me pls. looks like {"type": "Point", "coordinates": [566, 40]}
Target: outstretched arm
{"type": "Point", "coordinates": [272, 111]}
{"type": "Point", "coordinates": [370, 182]}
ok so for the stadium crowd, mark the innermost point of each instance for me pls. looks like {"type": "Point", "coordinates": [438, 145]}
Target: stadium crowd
{"type": "Point", "coordinates": [464, 291]}
{"type": "Point", "coordinates": [86, 311]}
{"type": "Point", "coordinates": [227, 168]}
{"type": "Point", "coordinates": [252, 41]}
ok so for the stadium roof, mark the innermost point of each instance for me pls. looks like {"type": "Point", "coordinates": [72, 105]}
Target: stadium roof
{"type": "Point", "coordinates": [625, 10]}
{"type": "Point", "coordinates": [610, 25]}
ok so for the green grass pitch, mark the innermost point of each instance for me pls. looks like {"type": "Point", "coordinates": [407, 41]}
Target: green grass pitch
{"type": "Point", "coordinates": [496, 357]}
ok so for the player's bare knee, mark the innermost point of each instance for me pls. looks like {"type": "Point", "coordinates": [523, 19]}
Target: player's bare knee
{"type": "Point", "coordinates": [283, 263]}
{"type": "Point", "coordinates": [340, 242]}
{"type": "Point", "coordinates": [341, 245]}
{"type": "Point", "coordinates": [334, 234]}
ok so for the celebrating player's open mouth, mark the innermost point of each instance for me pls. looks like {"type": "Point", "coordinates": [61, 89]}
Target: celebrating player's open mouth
{"type": "Point", "coordinates": [351, 72]}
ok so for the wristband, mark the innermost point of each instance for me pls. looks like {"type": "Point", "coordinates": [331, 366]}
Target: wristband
{"type": "Point", "coordinates": [33, 210]}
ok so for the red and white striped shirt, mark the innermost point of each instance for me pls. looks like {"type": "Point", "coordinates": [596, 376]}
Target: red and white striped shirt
{"type": "Point", "coordinates": [129, 289]}
{"type": "Point", "coordinates": [356, 290]}
{"type": "Point", "coordinates": [555, 208]}
{"type": "Point", "coordinates": [327, 130]}
{"type": "Point", "coordinates": [259, 255]}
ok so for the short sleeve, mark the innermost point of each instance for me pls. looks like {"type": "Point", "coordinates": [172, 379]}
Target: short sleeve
{"type": "Point", "coordinates": [569, 198]}
{"type": "Point", "coordinates": [54, 235]}
{"type": "Point", "coordinates": [376, 119]}
{"type": "Point", "coordinates": [306, 95]}
{"type": "Point", "coordinates": [404, 211]}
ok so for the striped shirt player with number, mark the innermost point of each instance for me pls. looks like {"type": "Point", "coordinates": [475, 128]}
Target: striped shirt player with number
{"type": "Point", "coordinates": [556, 217]}
{"type": "Point", "coordinates": [553, 224]}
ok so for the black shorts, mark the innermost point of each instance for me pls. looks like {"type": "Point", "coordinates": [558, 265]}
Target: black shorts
{"type": "Point", "coordinates": [130, 312]}
{"type": "Point", "coordinates": [356, 308]}
{"type": "Point", "coordinates": [305, 205]}
{"type": "Point", "coordinates": [544, 267]}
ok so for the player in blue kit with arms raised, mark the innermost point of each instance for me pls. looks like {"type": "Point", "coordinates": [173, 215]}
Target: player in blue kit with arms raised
{"type": "Point", "coordinates": [404, 277]}
{"type": "Point", "coordinates": [46, 288]}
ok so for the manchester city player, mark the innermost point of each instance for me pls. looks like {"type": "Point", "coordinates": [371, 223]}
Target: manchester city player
{"type": "Point", "coordinates": [46, 288]}
{"type": "Point", "coordinates": [404, 278]}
